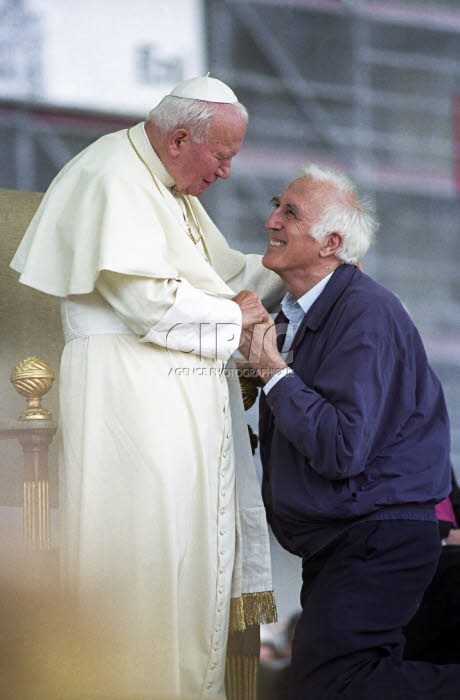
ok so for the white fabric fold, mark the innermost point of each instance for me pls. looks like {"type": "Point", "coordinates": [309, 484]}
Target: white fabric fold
{"type": "Point", "coordinates": [197, 322]}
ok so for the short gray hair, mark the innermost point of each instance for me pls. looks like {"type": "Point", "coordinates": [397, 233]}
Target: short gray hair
{"type": "Point", "coordinates": [187, 113]}
{"type": "Point", "coordinates": [353, 217]}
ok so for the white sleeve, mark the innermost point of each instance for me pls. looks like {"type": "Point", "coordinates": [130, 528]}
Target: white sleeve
{"type": "Point", "coordinates": [199, 322]}
{"type": "Point", "coordinates": [174, 314]}
{"type": "Point", "coordinates": [140, 302]}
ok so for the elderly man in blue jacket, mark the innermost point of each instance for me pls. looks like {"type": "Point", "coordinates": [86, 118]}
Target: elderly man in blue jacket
{"type": "Point", "coordinates": [354, 439]}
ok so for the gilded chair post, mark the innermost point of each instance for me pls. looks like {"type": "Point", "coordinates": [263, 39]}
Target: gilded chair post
{"type": "Point", "coordinates": [32, 378]}
{"type": "Point", "coordinates": [36, 518]}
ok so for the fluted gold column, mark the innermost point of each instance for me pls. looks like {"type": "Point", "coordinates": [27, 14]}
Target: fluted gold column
{"type": "Point", "coordinates": [36, 516]}
{"type": "Point", "coordinates": [242, 669]}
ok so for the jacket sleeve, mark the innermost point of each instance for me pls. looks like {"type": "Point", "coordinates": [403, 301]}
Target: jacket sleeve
{"type": "Point", "coordinates": [333, 422]}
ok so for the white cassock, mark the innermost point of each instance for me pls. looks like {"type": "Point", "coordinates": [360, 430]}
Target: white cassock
{"type": "Point", "coordinates": [155, 537]}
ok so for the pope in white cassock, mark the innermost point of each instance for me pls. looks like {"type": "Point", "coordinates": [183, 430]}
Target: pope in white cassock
{"type": "Point", "coordinates": [163, 538]}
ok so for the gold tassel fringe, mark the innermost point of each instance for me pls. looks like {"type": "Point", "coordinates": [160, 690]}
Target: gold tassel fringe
{"type": "Point", "coordinates": [252, 609]}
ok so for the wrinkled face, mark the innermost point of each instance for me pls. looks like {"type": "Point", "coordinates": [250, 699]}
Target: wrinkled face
{"type": "Point", "coordinates": [291, 249]}
{"type": "Point", "coordinates": [198, 165]}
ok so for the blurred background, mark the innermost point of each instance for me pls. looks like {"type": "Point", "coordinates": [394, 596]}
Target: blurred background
{"type": "Point", "coordinates": [369, 86]}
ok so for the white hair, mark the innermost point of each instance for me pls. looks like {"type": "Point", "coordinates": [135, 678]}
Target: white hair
{"type": "Point", "coordinates": [187, 113]}
{"type": "Point", "coordinates": [351, 216]}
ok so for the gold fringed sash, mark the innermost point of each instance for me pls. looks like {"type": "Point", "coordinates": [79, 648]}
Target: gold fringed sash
{"type": "Point", "coordinates": [252, 609]}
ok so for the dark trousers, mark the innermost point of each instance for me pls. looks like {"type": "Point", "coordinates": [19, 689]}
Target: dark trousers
{"type": "Point", "coordinates": [433, 634]}
{"type": "Point", "coordinates": [356, 597]}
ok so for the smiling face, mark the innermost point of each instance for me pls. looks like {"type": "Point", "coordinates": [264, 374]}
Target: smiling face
{"type": "Point", "coordinates": [299, 259]}
{"type": "Point", "coordinates": [195, 166]}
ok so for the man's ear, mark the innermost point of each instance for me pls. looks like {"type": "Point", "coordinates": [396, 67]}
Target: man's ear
{"type": "Point", "coordinates": [331, 244]}
{"type": "Point", "coordinates": [176, 140]}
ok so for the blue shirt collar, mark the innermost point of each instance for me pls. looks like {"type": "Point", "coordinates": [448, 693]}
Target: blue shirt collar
{"type": "Point", "coordinates": [295, 309]}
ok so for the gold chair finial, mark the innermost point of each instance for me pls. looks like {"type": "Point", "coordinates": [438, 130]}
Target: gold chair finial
{"type": "Point", "coordinates": [33, 378]}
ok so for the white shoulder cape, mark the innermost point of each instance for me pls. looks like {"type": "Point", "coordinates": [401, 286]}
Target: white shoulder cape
{"type": "Point", "coordinates": [107, 210]}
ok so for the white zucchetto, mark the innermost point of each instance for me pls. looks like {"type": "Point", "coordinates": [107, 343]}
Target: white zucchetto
{"type": "Point", "coordinates": [205, 88]}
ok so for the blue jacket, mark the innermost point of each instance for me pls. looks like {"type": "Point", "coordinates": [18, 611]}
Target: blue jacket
{"type": "Point", "coordinates": [360, 430]}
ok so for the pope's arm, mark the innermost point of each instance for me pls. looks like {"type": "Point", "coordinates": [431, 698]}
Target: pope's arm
{"type": "Point", "coordinates": [176, 315]}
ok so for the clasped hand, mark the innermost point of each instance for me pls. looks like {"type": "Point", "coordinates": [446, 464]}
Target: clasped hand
{"type": "Point", "coordinates": [258, 336]}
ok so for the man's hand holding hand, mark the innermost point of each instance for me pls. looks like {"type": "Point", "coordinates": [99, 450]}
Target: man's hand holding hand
{"type": "Point", "coordinates": [252, 309]}
{"type": "Point", "coordinates": [258, 336]}
{"type": "Point", "coordinates": [258, 346]}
